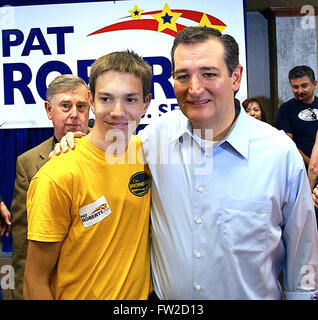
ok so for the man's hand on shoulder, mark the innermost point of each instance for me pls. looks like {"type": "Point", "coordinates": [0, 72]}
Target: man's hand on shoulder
{"type": "Point", "coordinates": [5, 220]}
{"type": "Point", "coordinates": [66, 142]}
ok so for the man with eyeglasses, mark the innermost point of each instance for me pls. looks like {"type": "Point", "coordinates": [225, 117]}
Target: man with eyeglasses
{"type": "Point", "coordinates": [298, 116]}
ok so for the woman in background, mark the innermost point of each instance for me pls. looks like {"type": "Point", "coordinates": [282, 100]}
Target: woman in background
{"type": "Point", "coordinates": [253, 108]}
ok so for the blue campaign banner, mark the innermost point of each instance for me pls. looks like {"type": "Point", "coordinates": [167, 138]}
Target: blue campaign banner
{"type": "Point", "coordinates": [67, 37]}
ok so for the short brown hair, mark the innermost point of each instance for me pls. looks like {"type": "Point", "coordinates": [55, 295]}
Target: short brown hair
{"type": "Point", "coordinates": [122, 61]}
{"type": "Point", "coordinates": [64, 82]}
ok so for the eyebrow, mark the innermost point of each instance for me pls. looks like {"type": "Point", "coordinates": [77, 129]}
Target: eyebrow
{"type": "Point", "coordinates": [201, 69]}
{"type": "Point", "coordinates": [104, 93]}
{"type": "Point", "coordinates": [300, 85]}
{"type": "Point", "coordinates": [69, 101]}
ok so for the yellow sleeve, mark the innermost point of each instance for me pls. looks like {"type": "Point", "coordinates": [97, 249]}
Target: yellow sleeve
{"type": "Point", "coordinates": [48, 210]}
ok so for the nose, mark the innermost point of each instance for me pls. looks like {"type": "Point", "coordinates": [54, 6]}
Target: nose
{"type": "Point", "coordinates": [195, 86]}
{"type": "Point", "coordinates": [118, 110]}
{"type": "Point", "coordinates": [73, 112]}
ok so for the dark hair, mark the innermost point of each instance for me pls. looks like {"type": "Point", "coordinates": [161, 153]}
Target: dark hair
{"type": "Point", "coordinates": [122, 61]}
{"type": "Point", "coordinates": [193, 35]}
{"type": "Point", "coordinates": [247, 101]}
{"type": "Point", "coordinates": [301, 71]}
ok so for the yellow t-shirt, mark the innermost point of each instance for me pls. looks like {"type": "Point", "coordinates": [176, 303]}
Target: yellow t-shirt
{"type": "Point", "coordinates": [100, 211]}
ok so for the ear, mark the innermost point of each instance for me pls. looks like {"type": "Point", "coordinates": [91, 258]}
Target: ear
{"type": "Point", "coordinates": [147, 102]}
{"type": "Point", "coordinates": [48, 108]}
{"type": "Point", "coordinates": [237, 77]}
{"type": "Point", "coordinates": [315, 83]}
{"type": "Point", "coordinates": [91, 102]}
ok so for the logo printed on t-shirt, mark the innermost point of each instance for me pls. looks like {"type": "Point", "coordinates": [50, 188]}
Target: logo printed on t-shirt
{"type": "Point", "coordinates": [308, 114]}
{"type": "Point", "coordinates": [94, 212]}
{"type": "Point", "coordinates": [139, 183]}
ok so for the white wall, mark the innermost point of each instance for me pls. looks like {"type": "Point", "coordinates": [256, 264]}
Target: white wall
{"type": "Point", "coordinates": [258, 80]}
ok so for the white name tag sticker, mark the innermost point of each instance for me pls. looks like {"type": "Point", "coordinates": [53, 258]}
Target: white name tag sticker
{"type": "Point", "coordinates": [94, 212]}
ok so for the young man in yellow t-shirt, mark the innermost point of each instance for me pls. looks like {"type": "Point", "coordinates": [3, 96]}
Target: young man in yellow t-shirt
{"type": "Point", "coordinates": [88, 210]}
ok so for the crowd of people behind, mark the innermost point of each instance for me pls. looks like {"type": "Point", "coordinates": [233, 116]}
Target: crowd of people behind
{"type": "Point", "coordinates": [80, 224]}
{"type": "Point", "coordinates": [298, 119]}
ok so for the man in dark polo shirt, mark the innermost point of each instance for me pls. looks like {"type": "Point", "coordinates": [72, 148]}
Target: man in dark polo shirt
{"type": "Point", "coordinates": [298, 117]}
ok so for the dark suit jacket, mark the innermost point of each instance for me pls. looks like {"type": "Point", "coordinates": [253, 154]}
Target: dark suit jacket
{"type": "Point", "coordinates": [27, 166]}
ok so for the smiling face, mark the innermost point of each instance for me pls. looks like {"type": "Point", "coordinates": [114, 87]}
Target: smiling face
{"type": "Point", "coordinates": [203, 87]}
{"type": "Point", "coordinates": [118, 103]}
{"type": "Point", "coordinates": [253, 109]}
{"type": "Point", "coordinates": [303, 89]}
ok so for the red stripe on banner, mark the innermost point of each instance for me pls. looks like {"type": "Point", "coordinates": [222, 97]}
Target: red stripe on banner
{"type": "Point", "coordinates": [129, 25]}
{"type": "Point", "coordinates": [137, 25]}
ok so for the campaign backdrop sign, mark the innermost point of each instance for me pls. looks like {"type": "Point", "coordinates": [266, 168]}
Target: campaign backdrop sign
{"type": "Point", "coordinates": [40, 42]}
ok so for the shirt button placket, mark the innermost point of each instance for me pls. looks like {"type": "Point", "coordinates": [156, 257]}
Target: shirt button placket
{"type": "Point", "coordinates": [197, 255]}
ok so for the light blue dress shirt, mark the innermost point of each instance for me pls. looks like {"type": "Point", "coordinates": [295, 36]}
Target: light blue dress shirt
{"type": "Point", "coordinates": [228, 217]}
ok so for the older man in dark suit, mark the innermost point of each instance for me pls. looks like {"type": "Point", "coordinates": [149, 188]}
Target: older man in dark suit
{"type": "Point", "coordinates": [68, 107]}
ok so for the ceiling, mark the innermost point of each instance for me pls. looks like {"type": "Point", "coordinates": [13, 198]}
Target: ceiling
{"type": "Point", "coordinates": [259, 5]}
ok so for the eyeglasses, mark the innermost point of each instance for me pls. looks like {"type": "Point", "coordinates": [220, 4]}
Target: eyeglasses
{"type": "Point", "coordinates": [313, 114]}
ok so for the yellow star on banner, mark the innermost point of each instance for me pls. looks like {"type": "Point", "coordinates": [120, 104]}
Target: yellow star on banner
{"type": "Point", "coordinates": [167, 19]}
{"type": "Point", "coordinates": [205, 22]}
{"type": "Point", "coordinates": [136, 13]}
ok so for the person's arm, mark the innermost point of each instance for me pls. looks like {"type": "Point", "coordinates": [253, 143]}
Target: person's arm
{"type": "Point", "coordinates": [290, 135]}
{"type": "Point", "coordinates": [315, 196]}
{"type": "Point", "coordinates": [19, 226]}
{"type": "Point", "coordinates": [41, 260]}
{"type": "Point", "coordinates": [284, 122]}
{"type": "Point", "coordinates": [300, 237]}
{"type": "Point", "coordinates": [5, 218]}
{"type": "Point", "coordinates": [313, 165]}
{"type": "Point", "coordinates": [305, 158]}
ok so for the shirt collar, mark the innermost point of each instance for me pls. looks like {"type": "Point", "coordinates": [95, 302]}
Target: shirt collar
{"type": "Point", "coordinates": [238, 137]}
{"type": "Point", "coordinates": [183, 126]}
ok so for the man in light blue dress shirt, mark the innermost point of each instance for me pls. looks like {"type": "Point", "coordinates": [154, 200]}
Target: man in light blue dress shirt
{"type": "Point", "coordinates": [231, 202]}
